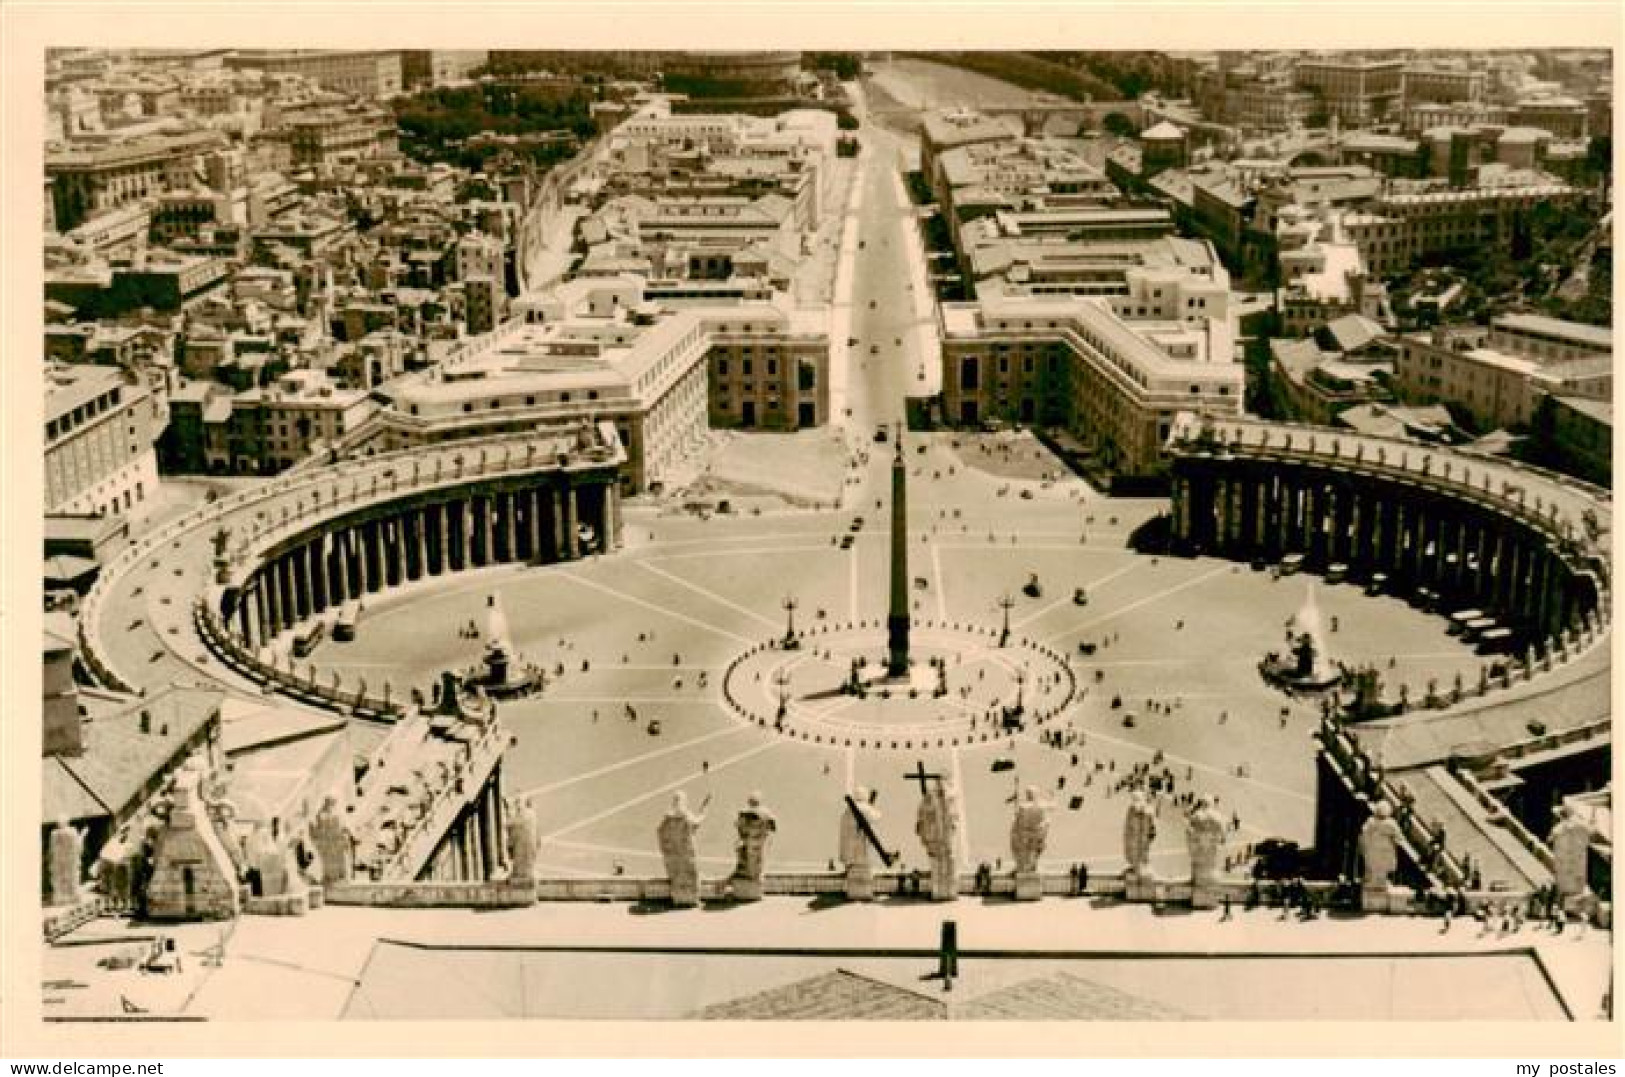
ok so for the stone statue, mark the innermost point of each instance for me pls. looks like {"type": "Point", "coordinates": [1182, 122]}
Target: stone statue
{"type": "Point", "coordinates": [1139, 831]}
{"type": "Point", "coordinates": [1379, 853]}
{"type": "Point", "coordinates": [522, 834]}
{"type": "Point", "coordinates": [334, 846]}
{"type": "Point", "coordinates": [756, 826]}
{"type": "Point", "coordinates": [1029, 833]}
{"type": "Point", "coordinates": [66, 850]}
{"type": "Point", "coordinates": [273, 861]}
{"type": "Point", "coordinates": [937, 824]}
{"type": "Point", "coordinates": [1204, 836]}
{"type": "Point", "coordinates": [1570, 841]}
{"type": "Point", "coordinates": [857, 809]}
{"type": "Point", "coordinates": [676, 837]}
{"type": "Point", "coordinates": [114, 871]}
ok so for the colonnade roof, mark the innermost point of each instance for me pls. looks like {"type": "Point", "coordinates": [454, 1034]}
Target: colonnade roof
{"type": "Point", "coordinates": [138, 617]}
{"type": "Point", "coordinates": [1570, 499]}
{"type": "Point", "coordinates": [1574, 695]}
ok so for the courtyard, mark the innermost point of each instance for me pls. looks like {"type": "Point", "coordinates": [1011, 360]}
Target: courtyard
{"type": "Point", "coordinates": [637, 645]}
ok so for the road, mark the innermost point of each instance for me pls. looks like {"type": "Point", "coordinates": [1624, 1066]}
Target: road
{"type": "Point", "coordinates": [884, 311]}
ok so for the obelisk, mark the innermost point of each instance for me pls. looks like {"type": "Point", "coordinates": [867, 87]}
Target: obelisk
{"type": "Point", "coordinates": [897, 619]}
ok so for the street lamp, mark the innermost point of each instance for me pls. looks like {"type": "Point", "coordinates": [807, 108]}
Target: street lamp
{"type": "Point", "coordinates": [790, 641]}
{"type": "Point", "coordinates": [1005, 602]}
{"type": "Point", "coordinates": [781, 680]}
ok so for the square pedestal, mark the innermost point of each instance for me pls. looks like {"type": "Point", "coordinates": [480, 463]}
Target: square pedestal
{"type": "Point", "coordinates": [1142, 886]}
{"type": "Point", "coordinates": [860, 884]}
{"type": "Point", "coordinates": [1205, 895]}
{"type": "Point", "coordinates": [1029, 886]}
{"type": "Point", "coordinates": [685, 896]}
{"type": "Point", "coordinates": [1383, 899]}
{"type": "Point", "coordinates": [746, 889]}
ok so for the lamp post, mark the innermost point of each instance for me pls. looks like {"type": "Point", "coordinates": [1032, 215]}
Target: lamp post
{"type": "Point", "coordinates": [790, 641]}
{"type": "Point", "coordinates": [781, 680]}
{"type": "Point", "coordinates": [1005, 602]}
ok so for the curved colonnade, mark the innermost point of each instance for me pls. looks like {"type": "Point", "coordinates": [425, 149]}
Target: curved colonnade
{"type": "Point", "coordinates": [1528, 547]}
{"type": "Point", "coordinates": [289, 552]}
{"type": "Point", "coordinates": [1525, 546]}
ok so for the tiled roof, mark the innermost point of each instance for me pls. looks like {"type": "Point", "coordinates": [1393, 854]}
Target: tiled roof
{"type": "Point", "coordinates": [118, 759]}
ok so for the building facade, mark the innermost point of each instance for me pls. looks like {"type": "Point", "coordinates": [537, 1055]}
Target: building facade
{"type": "Point", "coordinates": [100, 427]}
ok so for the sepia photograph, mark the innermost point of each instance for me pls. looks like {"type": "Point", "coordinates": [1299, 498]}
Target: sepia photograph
{"type": "Point", "coordinates": [815, 534]}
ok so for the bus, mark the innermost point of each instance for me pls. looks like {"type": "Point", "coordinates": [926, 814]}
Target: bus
{"type": "Point", "coordinates": [1461, 618]}
{"type": "Point", "coordinates": [1495, 641]}
{"type": "Point", "coordinates": [1290, 565]}
{"type": "Point", "coordinates": [1336, 572]}
{"type": "Point", "coordinates": [308, 638]}
{"type": "Point", "coordinates": [1476, 628]}
{"type": "Point", "coordinates": [344, 623]}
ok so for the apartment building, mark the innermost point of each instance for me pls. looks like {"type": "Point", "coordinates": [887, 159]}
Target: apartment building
{"type": "Point", "coordinates": [598, 349]}
{"type": "Point", "coordinates": [100, 426]}
{"type": "Point", "coordinates": [1357, 91]}
{"type": "Point", "coordinates": [88, 180]}
{"type": "Point", "coordinates": [1111, 372]}
{"type": "Point", "coordinates": [371, 76]}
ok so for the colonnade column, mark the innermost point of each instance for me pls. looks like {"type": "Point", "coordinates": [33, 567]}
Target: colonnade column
{"type": "Point", "coordinates": [510, 525]}
{"type": "Point", "coordinates": [438, 551]}
{"type": "Point", "coordinates": [572, 538]}
{"type": "Point", "coordinates": [533, 522]}
{"type": "Point", "coordinates": [371, 558]}
{"type": "Point", "coordinates": [479, 531]}
{"type": "Point", "coordinates": [265, 596]}
{"type": "Point", "coordinates": [317, 556]}
{"type": "Point", "coordinates": [457, 534]}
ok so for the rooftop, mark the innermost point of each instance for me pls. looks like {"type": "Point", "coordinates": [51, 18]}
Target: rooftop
{"type": "Point", "coordinates": [1596, 336]}
{"type": "Point", "coordinates": [119, 760]}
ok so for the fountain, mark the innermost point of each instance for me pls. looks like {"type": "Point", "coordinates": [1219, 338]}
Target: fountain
{"type": "Point", "coordinates": [505, 674]}
{"type": "Point", "coordinates": [1308, 667]}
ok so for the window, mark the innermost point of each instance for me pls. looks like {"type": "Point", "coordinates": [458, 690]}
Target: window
{"type": "Point", "coordinates": [969, 373]}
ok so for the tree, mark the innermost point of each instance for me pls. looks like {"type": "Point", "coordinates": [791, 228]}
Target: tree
{"type": "Point", "coordinates": [1116, 123]}
{"type": "Point", "coordinates": [1600, 156]}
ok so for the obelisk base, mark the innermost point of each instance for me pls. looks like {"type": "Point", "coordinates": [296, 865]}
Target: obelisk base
{"type": "Point", "coordinates": [860, 883]}
{"type": "Point", "coordinates": [1029, 886]}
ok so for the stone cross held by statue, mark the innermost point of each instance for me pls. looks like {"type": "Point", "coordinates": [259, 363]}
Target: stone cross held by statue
{"type": "Point", "coordinates": [918, 774]}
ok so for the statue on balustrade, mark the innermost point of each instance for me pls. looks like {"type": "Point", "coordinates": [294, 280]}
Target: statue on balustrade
{"type": "Point", "coordinates": [335, 848]}
{"type": "Point", "coordinates": [65, 851]}
{"type": "Point", "coordinates": [1379, 851]}
{"type": "Point", "coordinates": [1204, 837]}
{"type": "Point", "coordinates": [937, 824]}
{"type": "Point", "coordinates": [1029, 831]}
{"type": "Point", "coordinates": [859, 820]}
{"type": "Point", "coordinates": [522, 840]}
{"type": "Point", "coordinates": [1029, 834]}
{"type": "Point", "coordinates": [1139, 831]}
{"type": "Point", "coordinates": [756, 826]}
{"type": "Point", "coordinates": [1570, 842]}
{"type": "Point", "coordinates": [677, 848]}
